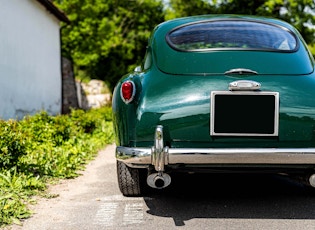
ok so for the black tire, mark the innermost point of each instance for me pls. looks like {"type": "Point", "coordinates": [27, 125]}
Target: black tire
{"type": "Point", "coordinates": [129, 180]}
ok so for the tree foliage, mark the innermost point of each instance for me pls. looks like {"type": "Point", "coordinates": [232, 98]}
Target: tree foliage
{"type": "Point", "coordinates": [183, 8]}
{"type": "Point", "coordinates": [300, 13]}
{"type": "Point", "coordinates": [107, 38]}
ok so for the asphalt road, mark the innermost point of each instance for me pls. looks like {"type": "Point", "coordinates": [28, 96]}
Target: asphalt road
{"type": "Point", "coordinates": [93, 201]}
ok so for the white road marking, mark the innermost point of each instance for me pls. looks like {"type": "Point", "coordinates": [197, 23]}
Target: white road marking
{"type": "Point", "coordinates": [133, 214]}
{"type": "Point", "coordinates": [106, 214]}
{"type": "Point", "coordinates": [123, 198]}
{"type": "Point", "coordinates": [129, 210]}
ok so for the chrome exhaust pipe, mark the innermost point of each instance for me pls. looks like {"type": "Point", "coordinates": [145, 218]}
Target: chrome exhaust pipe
{"type": "Point", "coordinates": [159, 180]}
{"type": "Point", "coordinates": [311, 180]}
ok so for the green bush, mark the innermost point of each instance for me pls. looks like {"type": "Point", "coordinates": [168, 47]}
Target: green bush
{"type": "Point", "coordinates": [40, 148]}
{"type": "Point", "coordinates": [14, 142]}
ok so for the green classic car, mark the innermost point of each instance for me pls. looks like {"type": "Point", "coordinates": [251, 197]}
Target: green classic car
{"type": "Point", "coordinates": [216, 93]}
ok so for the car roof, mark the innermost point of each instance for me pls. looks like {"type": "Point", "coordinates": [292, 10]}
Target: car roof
{"type": "Point", "coordinates": [170, 60]}
{"type": "Point", "coordinates": [215, 17]}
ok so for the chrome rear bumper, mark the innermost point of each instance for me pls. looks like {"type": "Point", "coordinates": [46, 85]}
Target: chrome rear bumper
{"type": "Point", "coordinates": [160, 155]}
{"type": "Point", "coordinates": [142, 156]}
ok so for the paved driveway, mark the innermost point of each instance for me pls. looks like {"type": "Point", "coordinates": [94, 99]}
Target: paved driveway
{"type": "Point", "coordinates": [93, 201]}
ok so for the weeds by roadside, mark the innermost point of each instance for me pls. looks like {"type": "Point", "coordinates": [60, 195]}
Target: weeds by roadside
{"type": "Point", "coordinates": [41, 148]}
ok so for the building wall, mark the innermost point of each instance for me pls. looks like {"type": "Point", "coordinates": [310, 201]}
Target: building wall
{"type": "Point", "coordinates": [30, 68]}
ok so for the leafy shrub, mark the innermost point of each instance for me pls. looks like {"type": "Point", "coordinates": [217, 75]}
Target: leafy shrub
{"type": "Point", "coordinates": [43, 128]}
{"type": "Point", "coordinates": [14, 142]}
{"type": "Point", "coordinates": [40, 148]}
{"type": "Point", "coordinates": [91, 121]}
{"type": "Point", "coordinates": [14, 195]}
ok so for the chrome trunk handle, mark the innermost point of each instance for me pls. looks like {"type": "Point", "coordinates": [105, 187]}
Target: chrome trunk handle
{"type": "Point", "coordinates": [240, 71]}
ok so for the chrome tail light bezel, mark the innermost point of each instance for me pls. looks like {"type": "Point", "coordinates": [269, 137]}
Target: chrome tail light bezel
{"type": "Point", "coordinates": [133, 93]}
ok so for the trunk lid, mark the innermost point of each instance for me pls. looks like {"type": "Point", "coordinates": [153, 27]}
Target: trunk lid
{"type": "Point", "coordinates": [182, 106]}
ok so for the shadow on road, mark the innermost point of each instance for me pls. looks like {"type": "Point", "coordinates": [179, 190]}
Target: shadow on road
{"type": "Point", "coordinates": [231, 196]}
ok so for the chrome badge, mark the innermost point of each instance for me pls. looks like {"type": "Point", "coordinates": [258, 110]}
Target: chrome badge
{"type": "Point", "coordinates": [244, 85]}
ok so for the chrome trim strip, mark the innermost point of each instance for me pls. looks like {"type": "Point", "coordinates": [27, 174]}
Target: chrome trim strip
{"type": "Point", "coordinates": [241, 71]}
{"type": "Point", "coordinates": [141, 157]}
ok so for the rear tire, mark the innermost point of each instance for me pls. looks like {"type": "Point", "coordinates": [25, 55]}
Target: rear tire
{"type": "Point", "coordinates": [129, 180]}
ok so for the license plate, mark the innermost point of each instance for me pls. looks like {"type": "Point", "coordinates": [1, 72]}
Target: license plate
{"type": "Point", "coordinates": [244, 113]}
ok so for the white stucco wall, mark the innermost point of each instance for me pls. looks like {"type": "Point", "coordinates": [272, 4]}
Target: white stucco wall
{"type": "Point", "coordinates": [30, 69]}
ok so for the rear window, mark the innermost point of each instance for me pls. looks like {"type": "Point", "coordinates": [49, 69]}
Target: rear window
{"type": "Point", "coordinates": [231, 34]}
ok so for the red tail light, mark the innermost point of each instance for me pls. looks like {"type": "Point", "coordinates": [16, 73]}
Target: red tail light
{"type": "Point", "coordinates": [127, 91]}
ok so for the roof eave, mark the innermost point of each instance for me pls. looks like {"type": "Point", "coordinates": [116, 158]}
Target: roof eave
{"type": "Point", "coordinates": [54, 10]}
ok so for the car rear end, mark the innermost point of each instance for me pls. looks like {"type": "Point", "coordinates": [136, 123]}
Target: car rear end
{"type": "Point", "coordinates": [228, 94]}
